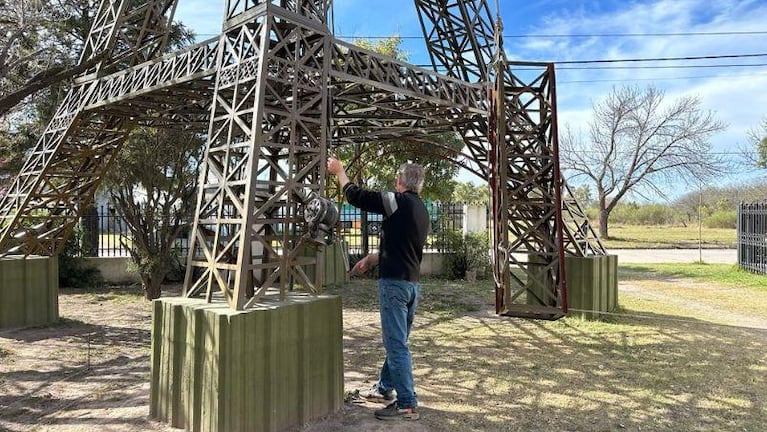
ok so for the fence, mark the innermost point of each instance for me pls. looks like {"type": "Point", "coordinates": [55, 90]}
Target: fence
{"type": "Point", "coordinates": [108, 230]}
{"type": "Point", "coordinates": [752, 237]}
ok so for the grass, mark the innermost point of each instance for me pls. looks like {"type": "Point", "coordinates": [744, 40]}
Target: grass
{"type": "Point", "coordinates": [441, 297]}
{"type": "Point", "coordinates": [676, 358]}
{"type": "Point", "coordinates": [723, 274]}
{"type": "Point", "coordinates": [696, 290]}
{"type": "Point", "coordinates": [634, 237]}
{"type": "Point", "coordinates": [665, 237]}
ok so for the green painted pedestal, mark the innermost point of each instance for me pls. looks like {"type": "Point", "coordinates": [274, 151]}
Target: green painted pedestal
{"type": "Point", "coordinates": [29, 290]}
{"type": "Point", "coordinates": [271, 368]}
{"type": "Point", "coordinates": [592, 285]}
{"type": "Point", "coordinates": [335, 260]}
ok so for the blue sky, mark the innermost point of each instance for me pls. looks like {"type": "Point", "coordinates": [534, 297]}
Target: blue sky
{"type": "Point", "coordinates": [559, 30]}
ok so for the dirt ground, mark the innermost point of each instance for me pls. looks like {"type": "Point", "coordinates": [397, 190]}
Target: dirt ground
{"type": "Point", "coordinates": [474, 371]}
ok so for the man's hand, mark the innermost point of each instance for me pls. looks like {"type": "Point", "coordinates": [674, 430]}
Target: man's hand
{"type": "Point", "coordinates": [336, 168]}
{"type": "Point", "coordinates": [364, 264]}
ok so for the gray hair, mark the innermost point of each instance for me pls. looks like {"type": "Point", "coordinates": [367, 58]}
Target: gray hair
{"type": "Point", "coordinates": [411, 176]}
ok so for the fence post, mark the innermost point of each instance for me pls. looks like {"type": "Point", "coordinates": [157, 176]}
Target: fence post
{"type": "Point", "coordinates": [90, 238]}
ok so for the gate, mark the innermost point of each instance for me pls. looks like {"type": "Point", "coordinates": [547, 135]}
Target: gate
{"type": "Point", "coordinates": [752, 237]}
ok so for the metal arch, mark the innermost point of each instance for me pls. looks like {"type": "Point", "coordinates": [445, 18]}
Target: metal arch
{"type": "Point", "coordinates": [262, 90]}
{"type": "Point", "coordinates": [63, 171]}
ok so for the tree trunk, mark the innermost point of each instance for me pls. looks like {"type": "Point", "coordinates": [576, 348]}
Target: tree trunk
{"type": "Point", "coordinates": [603, 216]}
{"type": "Point", "coordinates": [152, 284]}
{"type": "Point", "coordinates": [90, 240]}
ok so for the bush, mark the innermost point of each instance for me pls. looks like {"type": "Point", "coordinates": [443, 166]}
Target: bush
{"type": "Point", "coordinates": [722, 219]}
{"type": "Point", "coordinates": [649, 214]}
{"type": "Point", "coordinates": [74, 270]}
{"type": "Point", "coordinates": [467, 253]}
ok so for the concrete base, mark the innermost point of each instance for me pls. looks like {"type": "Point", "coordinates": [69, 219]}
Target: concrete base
{"type": "Point", "coordinates": [114, 270]}
{"type": "Point", "coordinates": [29, 291]}
{"type": "Point", "coordinates": [271, 368]}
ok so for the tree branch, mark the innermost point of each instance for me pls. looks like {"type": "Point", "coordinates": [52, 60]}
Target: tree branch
{"type": "Point", "coordinates": [45, 79]}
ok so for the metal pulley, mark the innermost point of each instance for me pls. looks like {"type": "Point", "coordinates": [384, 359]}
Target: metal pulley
{"type": "Point", "coordinates": [321, 215]}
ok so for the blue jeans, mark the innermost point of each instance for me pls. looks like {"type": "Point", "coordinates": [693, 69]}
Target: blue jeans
{"type": "Point", "coordinates": [398, 300]}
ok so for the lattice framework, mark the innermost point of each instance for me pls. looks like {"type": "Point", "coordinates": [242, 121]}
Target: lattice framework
{"type": "Point", "coordinates": [273, 90]}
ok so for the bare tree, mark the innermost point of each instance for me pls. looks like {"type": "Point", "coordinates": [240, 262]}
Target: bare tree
{"type": "Point", "coordinates": [638, 142]}
{"type": "Point", "coordinates": [756, 152]}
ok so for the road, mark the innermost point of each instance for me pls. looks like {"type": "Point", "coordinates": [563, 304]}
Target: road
{"type": "Point", "coordinates": [711, 256]}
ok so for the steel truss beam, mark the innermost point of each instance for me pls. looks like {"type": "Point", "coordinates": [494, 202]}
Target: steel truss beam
{"type": "Point", "coordinates": [63, 171]}
{"type": "Point", "coordinates": [275, 90]}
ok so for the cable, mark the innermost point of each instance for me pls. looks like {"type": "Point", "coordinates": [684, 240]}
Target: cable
{"type": "Point", "coordinates": [660, 78]}
{"type": "Point", "coordinates": [660, 67]}
{"type": "Point", "coordinates": [707, 57]}
{"type": "Point", "coordinates": [585, 35]}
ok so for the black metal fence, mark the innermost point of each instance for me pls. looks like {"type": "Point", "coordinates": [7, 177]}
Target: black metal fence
{"type": "Point", "coordinates": [361, 229]}
{"type": "Point", "coordinates": [108, 232]}
{"type": "Point", "coordinates": [752, 237]}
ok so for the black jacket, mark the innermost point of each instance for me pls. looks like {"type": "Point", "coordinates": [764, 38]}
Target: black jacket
{"type": "Point", "coordinates": [403, 231]}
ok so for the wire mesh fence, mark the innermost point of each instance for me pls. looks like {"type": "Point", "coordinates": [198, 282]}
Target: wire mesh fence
{"type": "Point", "coordinates": [752, 237]}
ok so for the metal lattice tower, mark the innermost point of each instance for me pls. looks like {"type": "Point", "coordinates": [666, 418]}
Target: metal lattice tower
{"type": "Point", "coordinates": [543, 221]}
{"type": "Point", "coordinates": [263, 89]}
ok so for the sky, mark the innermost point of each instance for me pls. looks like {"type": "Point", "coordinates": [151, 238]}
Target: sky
{"type": "Point", "coordinates": [735, 89]}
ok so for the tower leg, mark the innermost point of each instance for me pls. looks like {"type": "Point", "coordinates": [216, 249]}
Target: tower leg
{"type": "Point", "coordinates": [266, 153]}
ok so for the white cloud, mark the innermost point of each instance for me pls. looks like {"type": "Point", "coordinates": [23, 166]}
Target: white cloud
{"type": "Point", "coordinates": [736, 94]}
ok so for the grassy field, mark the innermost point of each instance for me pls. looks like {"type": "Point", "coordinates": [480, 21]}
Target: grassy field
{"type": "Point", "coordinates": [676, 357]}
{"type": "Point", "coordinates": [722, 274]}
{"type": "Point", "coordinates": [671, 237]}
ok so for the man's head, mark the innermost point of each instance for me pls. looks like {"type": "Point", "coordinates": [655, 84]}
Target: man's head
{"type": "Point", "coordinates": [410, 177]}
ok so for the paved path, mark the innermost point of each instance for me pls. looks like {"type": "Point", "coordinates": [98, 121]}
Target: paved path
{"type": "Point", "coordinates": [712, 256]}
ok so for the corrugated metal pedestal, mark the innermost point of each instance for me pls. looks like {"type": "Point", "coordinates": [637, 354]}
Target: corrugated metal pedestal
{"type": "Point", "coordinates": [592, 285]}
{"type": "Point", "coordinates": [29, 290]}
{"type": "Point", "coordinates": [271, 368]}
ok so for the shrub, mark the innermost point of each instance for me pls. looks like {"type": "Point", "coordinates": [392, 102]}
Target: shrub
{"type": "Point", "coordinates": [470, 252]}
{"type": "Point", "coordinates": [649, 214]}
{"type": "Point", "coordinates": [722, 219]}
{"type": "Point", "coordinates": [74, 270]}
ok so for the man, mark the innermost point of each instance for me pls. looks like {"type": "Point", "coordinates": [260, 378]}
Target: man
{"type": "Point", "coordinates": [403, 234]}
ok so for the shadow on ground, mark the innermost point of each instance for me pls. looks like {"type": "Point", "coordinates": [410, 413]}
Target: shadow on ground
{"type": "Point", "coordinates": [479, 372]}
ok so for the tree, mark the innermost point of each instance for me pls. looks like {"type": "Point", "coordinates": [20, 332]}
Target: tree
{"type": "Point", "coordinates": [638, 142]}
{"type": "Point", "coordinates": [756, 155]}
{"type": "Point", "coordinates": [582, 194]}
{"type": "Point", "coordinates": [153, 184]}
{"type": "Point", "coordinates": [469, 193]}
{"type": "Point", "coordinates": [39, 55]}
{"type": "Point", "coordinates": [374, 164]}
{"type": "Point", "coordinates": [41, 45]}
